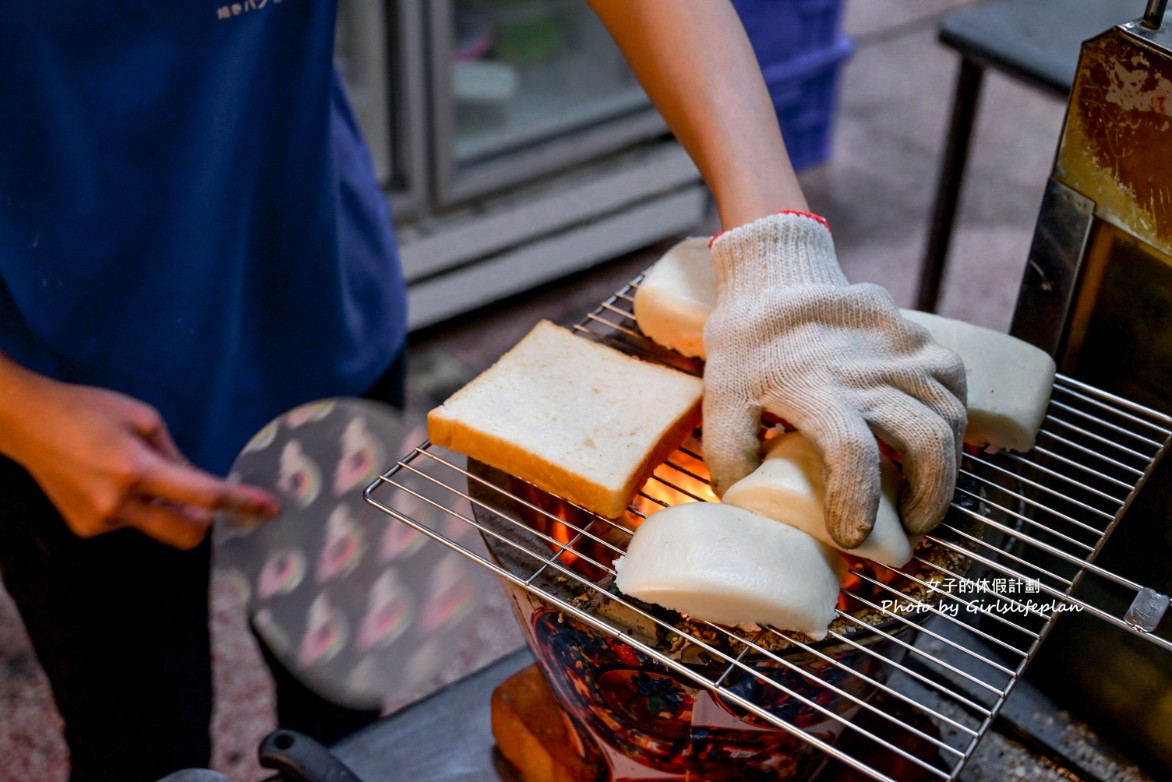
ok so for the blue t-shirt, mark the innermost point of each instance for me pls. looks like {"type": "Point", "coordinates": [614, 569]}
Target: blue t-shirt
{"type": "Point", "coordinates": [187, 211]}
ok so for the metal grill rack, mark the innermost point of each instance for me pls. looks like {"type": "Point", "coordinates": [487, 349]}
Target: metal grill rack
{"type": "Point", "coordinates": [919, 663]}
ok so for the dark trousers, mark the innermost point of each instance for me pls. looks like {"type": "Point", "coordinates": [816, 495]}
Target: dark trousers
{"type": "Point", "coordinates": [120, 624]}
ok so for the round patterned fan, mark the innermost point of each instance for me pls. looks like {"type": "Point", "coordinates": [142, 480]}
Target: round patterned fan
{"type": "Point", "coordinates": [349, 599]}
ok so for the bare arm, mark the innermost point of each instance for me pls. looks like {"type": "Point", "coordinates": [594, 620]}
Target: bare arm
{"type": "Point", "coordinates": [696, 63]}
{"type": "Point", "coordinates": [107, 461]}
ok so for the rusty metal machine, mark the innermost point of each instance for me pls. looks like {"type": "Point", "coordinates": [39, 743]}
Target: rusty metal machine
{"type": "Point", "coordinates": [1097, 293]}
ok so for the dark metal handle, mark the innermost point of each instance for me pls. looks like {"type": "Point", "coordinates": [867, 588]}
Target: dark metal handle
{"type": "Point", "coordinates": [298, 758]}
{"type": "Point", "coordinates": [1154, 16]}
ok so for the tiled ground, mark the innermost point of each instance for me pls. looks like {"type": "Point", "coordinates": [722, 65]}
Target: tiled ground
{"type": "Point", "coordinates": [877, 191]}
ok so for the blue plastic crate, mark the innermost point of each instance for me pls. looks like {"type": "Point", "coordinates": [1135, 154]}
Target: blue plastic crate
{"type": "Point", "coordinates": [805, 95]}
{"type": "Point", "coordinates": [800, 49]}
{"type": "Point", "coordinates": [783, 30]}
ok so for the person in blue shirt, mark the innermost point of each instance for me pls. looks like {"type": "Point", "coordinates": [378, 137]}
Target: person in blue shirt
{"type": "Point", "coordinates": [192, 241]}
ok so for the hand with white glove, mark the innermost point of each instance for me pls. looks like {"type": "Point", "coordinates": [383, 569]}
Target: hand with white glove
{"type": "Point", "coordinates": [790, 336]}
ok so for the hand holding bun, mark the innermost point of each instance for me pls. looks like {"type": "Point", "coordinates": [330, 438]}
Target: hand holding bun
{"type": "Point", "coordinates": [791, 337]}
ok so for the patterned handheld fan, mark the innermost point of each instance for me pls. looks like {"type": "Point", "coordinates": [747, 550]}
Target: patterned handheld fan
{"type": "Point", "coordinates": [349, 601]}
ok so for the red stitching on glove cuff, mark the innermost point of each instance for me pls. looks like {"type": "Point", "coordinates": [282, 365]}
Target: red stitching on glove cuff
{"type": "Point", "coordinates": [796, 212]}
{"type": "Point", "coordinates": [811, 215]}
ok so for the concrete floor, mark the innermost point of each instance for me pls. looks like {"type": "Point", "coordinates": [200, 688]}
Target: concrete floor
{"type": "Point", "coordinates": [876, 190]}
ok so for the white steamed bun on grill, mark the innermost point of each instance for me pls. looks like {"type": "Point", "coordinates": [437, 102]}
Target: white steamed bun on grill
{"type": "Point", "coordinates": [724, 564]}
{"type": "Point", "coordinates": [674, 299]}
{"type": "Point", "coordinates": [790, 487]}
{"type": "Point", "coordinates": [1009, 380]}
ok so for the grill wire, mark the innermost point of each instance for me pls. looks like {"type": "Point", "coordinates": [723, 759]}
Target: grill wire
{"type": "Point", "coordinates": [1025, 530]}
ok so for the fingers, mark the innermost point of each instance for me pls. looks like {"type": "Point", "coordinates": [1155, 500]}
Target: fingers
{"type": "Point", "coordinates": [851, 458]}
{"type": "Point", "coordinates": [177, 526]}
{"type": "Point", "coordinates": [939, 363]}
{"type": "Point", "coordinates": [930, 443]}
{"type": "Point", "coordinates": [732, 449]}
{"type": "Point", "coordinates": [847, 444]}
{"type": "Point", "coordinates": [164, 473]}
{"type": "Point", "coordinates": [182, 484]}
{"type": "Point", "coordinates": [176, 503]}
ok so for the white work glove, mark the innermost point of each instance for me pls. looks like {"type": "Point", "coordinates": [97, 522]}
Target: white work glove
{"type": "Point", "coordinates": [790, 336]}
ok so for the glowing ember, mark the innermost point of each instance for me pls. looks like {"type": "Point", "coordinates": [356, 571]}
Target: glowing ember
{"type": "Point", "coordinates": [682, 478]}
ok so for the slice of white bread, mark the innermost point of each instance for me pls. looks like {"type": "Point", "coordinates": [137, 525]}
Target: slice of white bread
{"type": "Point", "coordinates": [723, 564]}
{"type": "Point", "coordinates": [790, 487]}
{"type": "Point", "coordinates": [1009, 380]}
{"type": "Point", "coordinates": [574, 417]}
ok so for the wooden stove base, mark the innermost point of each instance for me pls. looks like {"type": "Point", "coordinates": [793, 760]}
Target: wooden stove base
{"type": "Point", "coordinates": [534, 734]}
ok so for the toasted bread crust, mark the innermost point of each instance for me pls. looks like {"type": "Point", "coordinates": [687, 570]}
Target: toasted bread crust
{"type": "Point", "coordinates": [555, 478]}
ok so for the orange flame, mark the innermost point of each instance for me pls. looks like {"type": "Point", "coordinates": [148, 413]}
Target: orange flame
{"type": "Point", "coordinates": [563, 534]}
{"type": "Point", "coordinates": [682, 478]}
